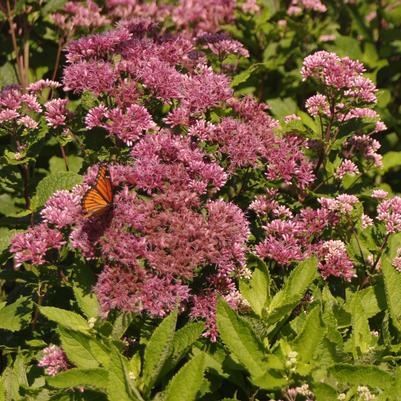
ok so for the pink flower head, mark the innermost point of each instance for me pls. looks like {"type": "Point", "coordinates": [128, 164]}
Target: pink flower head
{"type": "Point", "coordinates": [397, 260]}
{"type": "Point", "coordinates": [63, 208]}
{"type": "Point", "coordinates": [38, 86]}
{"type": "Point", "coordinates": [28, 122]}
{"type": "Point", "coordinates": [79, 15]}
{"type": "Point", "coordinates": [340, 73]}
{"type": "Point", "coordinates": [291, 117]}
{"type": "Point", "coordinates": [343, 204]}
{"type": "Point", "coordinates": [127, 125]}
{"type": "Point", "coordinates": [317, 105]}
{"type": "Point", "coordinates": [334, 260]}
{"type": "Point", "coordinates": [56, 112]}
{"type": "Point", "coordinates": [8, 115]}
{"type": "Point", "coordinates": [346, 167]}
{"type": "Point", "coordinates": [97, 46]}
{"type": "Point", "coordinates": [32, 245]}
{"type": "Point", "coordinates": [131, 290]}
{"type": "Point", "coordinates": [366, 221]}
{"type": "Point", "coordinates": [379, 194]}
{"type": "Point", "coordinates": [94, 76]}
{"type": "Point", "coordinates": [54, 360]}
{"type": "Point", "coordinates": [389, 212]}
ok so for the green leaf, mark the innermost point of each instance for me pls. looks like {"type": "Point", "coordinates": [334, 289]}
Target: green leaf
{"type": "Point", "coordinates": [310, 337]}
{"type": "Point", "coordinates": [158, 349]}
{"type": "Point", "coordinates": [65, 318]}
{"type": "Point", "coordinates": [324, 392]}
{"type": "Point", "coordinates": [83, 284]}
{"type": "Point", "coordinates": [240, 339]}
{"type": "Point", "coordinates": [8, 75]}
{"type": "Point", "coordinates": [183, 339]}
{"type": "Point", "coordinates": [361, 335]}
{"type": "Point", "coordinates": [120, 386]}
{"type": "Point", "coordinates": [51, 6]}
{"type": "Point", "coordinates": [121, 324]}
{"type": "Point", "coordinates": [15, 315]}
{"type": "Point", "coordinates": [57, 164]}
{"type": "Point", "coordinates": [282, 107]}
{"type": "Point", "coordinates": [244, 75]}
{"type": "Point", "coordinates": [78, 348]}
{"type": "Point", "coordinates": [53, 183]}
{"type": "Point", "coordinates": [5, 237]}
{"type": "Point", "coordinates": [390, 160]}
{"type": "Point", "coordinates": [294, 289]}
{"type": "Point", "coordinates": [185, 385]}
{"type": "Point", "coordinates": [392, 286]}
{"type": "Point", "coordinates": [75, 377]}
{"type": "Point", "coordinates": [369, 375]}
{"type": "Point", "coordinates": [257, 290]}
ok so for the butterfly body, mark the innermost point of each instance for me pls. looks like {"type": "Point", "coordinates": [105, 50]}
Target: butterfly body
{"type": "Point", "coordinates": [98, 199]}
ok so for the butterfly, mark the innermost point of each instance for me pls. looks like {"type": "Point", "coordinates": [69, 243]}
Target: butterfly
{"type": "Point", "coordinates": [99, 198]}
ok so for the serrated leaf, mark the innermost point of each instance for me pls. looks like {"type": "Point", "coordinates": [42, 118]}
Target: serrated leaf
{"type": "Point", "coordinates": [183, 339]}
{"type": "Point", "coordinates": [240, 339]}
{"type": "Point", "coordinates": [65, 318]}
{"type": "Point", "coordinates": [158, 349]}
{"type": "Point", "coordinates": [5, 237]}
{"type": "Point", "coordinates": [120, 386]}
{"type": "Point", "coordinates": [13, 316]}
{"type": "Point", "coordinates": [369, 375]}
{"type": "Point", "coordinates": [51, 6]}
{"type": "Point", "coordinates": [8, 75]}
{"type": "Point", "coordinates": [282, 107]}
{"type": "Point", "coordinates": [185, 385]}
{"type": "Point", "coordinates": [310, 337]}
{"type": "Point", "coordinates": [324, 392]}
{"type": "Point", "coordinates": [53, 183]}
{"type": "Point", "coordinates": [243, 76]}
{"type": "Point", "coordinates": [121, 324]}
{"type": "Point", "coordinates": [77, 347]}
{"type": "Point", "coordinates": [257, 290]}
{"type": "Point", "coordinates": [83, 284]}
{"type": "Point", "coordinates": [392, 285]}
{"type": "Point", "coordinates": [294, 289]}
{"type": "Point", "coordinates": [75, 377]}
{"type": "Point", "coordinates": [361, 336]}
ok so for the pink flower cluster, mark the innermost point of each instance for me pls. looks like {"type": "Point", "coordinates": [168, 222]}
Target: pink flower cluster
{"type": "Point", "coordinates": [23, 110]}
{"type": "Point", "coordinates": [340, 73]}
{"type": "Point", "coordinates": [389, 212]}
{"type": "Point", "coordinates": [33, 245]}
{"type": "Point", "coordinates": [297, 6]}
{"type": "Point", "coordinates": [293, 237]}
{"type": "Point", "coordinates": [53, 360]}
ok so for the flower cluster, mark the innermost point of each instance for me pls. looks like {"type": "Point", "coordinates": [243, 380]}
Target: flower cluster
{"type": "Point", "coordinates": [53, 360]}
{"type": "Point", "coordinates": [292, 237]}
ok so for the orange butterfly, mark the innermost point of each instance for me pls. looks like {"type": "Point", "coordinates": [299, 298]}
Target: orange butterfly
{"type": "Point", "coordinates": [99, 198]}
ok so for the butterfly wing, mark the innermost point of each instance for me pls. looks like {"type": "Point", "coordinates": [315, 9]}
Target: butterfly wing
{"type": "Point", "coordinates": [99, 198]}
{"type": "Point", "coordinates": [103, 184]}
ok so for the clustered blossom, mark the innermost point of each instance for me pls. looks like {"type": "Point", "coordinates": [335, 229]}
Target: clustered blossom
{"type": "Point", "coordinates": [346, 167]}
{"type": "Point", "coordinates": [341, 73]}
{"type": "Point", "coordinates": [334, 260]}
{"type": "Point", "coordinates": [18, 107]}
{"type": "Point", "coordinates": [56, 112]}
{"type": "Point", "coordinates": [79, 15]}
{"type": "Point", "coordinates": [32, 245]}
{"type": "Point", "coordinates": [389, 212]}
{"type": "Point", "coordinates": [296, 7]}
{"type": "Point", "coordinates": [127, 125]}
{"type": "Point", "coordinates": [317, 105]}
{"type": "Point", "coordinates": [397, 260]}
{"type": "Point", "coordinates": [294, 237]}
{"type": "Point", "coordinates": [54, 360]}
